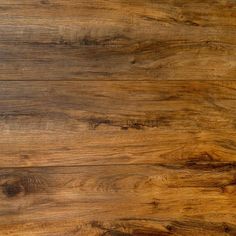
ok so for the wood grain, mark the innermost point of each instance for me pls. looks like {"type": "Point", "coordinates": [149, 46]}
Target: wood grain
{"type": "Point", "coordinates": [81, 123]}
{"type": "Point", "coordinates": [128, 199]}
{"type": "Point", "coordinates": [117, 40]}
{"type": "Point", "coordinates": [117, 118]}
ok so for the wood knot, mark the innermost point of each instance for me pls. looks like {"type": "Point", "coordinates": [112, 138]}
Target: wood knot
{"type": "Point", "coordinates": [169, 228]}
{"type": "Point", "coordinates": [226, 228]}
{"type": "Point", "coordinates": [22, 185]}
{"type": "Point", "coordinates": [13, 189]}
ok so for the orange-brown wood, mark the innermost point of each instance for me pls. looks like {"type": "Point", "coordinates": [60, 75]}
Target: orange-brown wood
{"type": "Point", "coordinates": [74, 123]}
{"type": "Point", "coordinates": [117, 117]}
{"type": "Point", "coordinates": [160, 199]}
{"type": "Point", "coordinates": [117, 40]}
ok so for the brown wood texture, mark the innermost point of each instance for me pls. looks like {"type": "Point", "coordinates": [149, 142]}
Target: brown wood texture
{"type": "Point", "coordinates": [118, 40]}
{"type": "Point", "coordinates": [117, 118]}
{"type": "Point", "coordinates": [104, 122]}
{"type": "Point", "coordinates": [148, 195]}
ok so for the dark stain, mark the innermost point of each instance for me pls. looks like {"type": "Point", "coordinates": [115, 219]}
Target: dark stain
{"type": "Point", "coordinates": [210, 165]}
{"type": "Point", "coordinates": [185, 22]}
{"type": "Point", "coordinates": [189, 22]}
{"type": "Point", "coordinates": [62, 41]}
{"type": "Point", "coordinates": [170, 98]}
{"type": "Point", "coordinates": [22, 185]}
{"type": "Point", "coordinates": [4, 8]}
{"type": "Point", "coordinates": [24, 156]}
{"type": "Point", "coordinates": [106, 41]}
{"type": "Point", "coordinates": [15, 114]}
{"type": "Point", "coordinates": [136, 125]}
{"type": "Point", "coordinates": [148, 123]}
{"type": "Point", "coordinates": [203, 160]}
{"type": "Point", "coordinates": [149, 18]}
{"type": "Point", "coordinates": [44, 2]}
{"type": "Point", "coordinates": [115, 233]}
{"type": "Point", "coordinates": [142, 231]}
{"type": "Point", "coordinates": [226, 228]}
{"type": "Point", "coordinates": [230, 5]}
{"type": "Point", "coordinates": [204, 156]}
{"type": "Point", "coordinates": [149, 232]}
{"type": "Point", "coordinates": [230, 187]}
{"type": "Point", "coordinates": [33, 184]}
{"type": "Point", "coordinates": [169, 228]}
{"type": "Point", "coordinates": [133, 61]}
{"type": "Point", "coordinates": [12, 190]}
{"type": "Point", "coordinates": [233, 181]}
{"type": "Point", "coordinates": [95, 224]}
{"type": "Point", "coordinates": [129, 124]}
{"type": "Point", "coordinates": [155, 203]}
{"type": "Point", "coordinates": [108, 232]}
{"type": "Point", "coordinates": [228, 144]}
{"type": "Point", "coordinates": [96, 7]}
{"type": "Point", "coordinates": [96, 122]}
{"type": "Point", "coordinates": [170, 20]}
{"type": "Point", "coordinates": [88, 41]}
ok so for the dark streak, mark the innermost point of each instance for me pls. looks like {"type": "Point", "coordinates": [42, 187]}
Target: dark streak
{"type": "Point", "coordinates": [111, 232]}
{"type": "Point", "coordinates": [45, 2]}
{"type": "Point", "coordinates": [95, 122]}
{"type": "Point", "coordinates": [188, 22]}
{"type": "Point", "coordinates": [201, 165]}
{"type": "Point", "coordinates": [108, 232]}
{"type": "Point", "coordinates": [204, 156]}
{"type": "Point", "coordinates": [128, 124]}
{"type": "Point", "coordinates": [210, 166]}
{"type": "Point", "coordinates": [149, 18]}
{"type": "Point", "coordinates": [86, 41]}
{"type": "Point", "coordinates": [149, 232]}
{"type": "Point", "coordinates": [136, 231]}
{"type": "Point", "coordinates": [228, 144]}
{"type": "Point", "coordinates": [155, 203]}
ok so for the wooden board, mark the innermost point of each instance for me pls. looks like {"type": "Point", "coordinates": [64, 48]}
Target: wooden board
{"type": "Point", "coordinates": [152, 198]}
{"type": "Point", "coordinates": [71, 123]}
{"type": "Point", "coordinates": [117, 40]}
{"type": "Point", "coordinates": [117, 118]}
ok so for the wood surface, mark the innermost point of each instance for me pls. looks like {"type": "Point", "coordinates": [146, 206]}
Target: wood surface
{"type": "Point", "coordinates": [117, 118]}
{"type": "Point", "coordinates": [117, 40]}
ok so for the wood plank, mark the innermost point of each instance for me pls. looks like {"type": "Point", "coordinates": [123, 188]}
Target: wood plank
{"type": "Point", "coordinates": [131, 199]}
{"type": "Point", "coordinates": [117, 40]}
{"type": "Point", "coordinates": [124, 227]}
{"type": "Point", "coordinates": [93, 123]}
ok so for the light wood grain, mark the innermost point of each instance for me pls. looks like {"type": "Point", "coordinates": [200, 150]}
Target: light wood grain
{"type": "Point", "coordinates": [130, 194]}
{"type": "Point", "coordinates": [117, 40]}
{"type": "Point", "coordinates": [74, 123]}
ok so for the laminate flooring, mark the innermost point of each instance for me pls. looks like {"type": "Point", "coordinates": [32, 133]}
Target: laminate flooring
{"type": "Point", "coordinates": [117, 117]}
